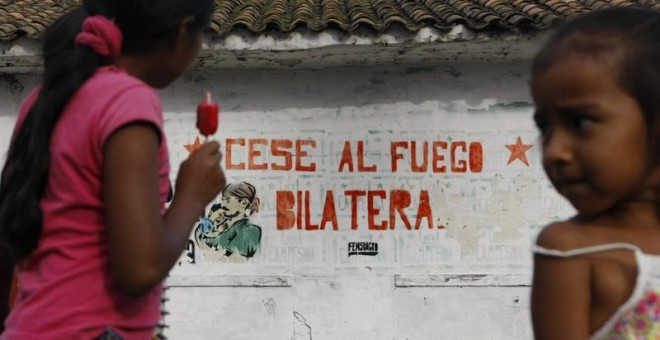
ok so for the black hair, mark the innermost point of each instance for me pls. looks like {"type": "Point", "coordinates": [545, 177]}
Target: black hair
{"type": "Point", "coordinates": [145, 25]}
{"type": "Point", "coordinates": [630, 37]}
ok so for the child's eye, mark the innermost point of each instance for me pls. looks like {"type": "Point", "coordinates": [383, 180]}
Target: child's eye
{"type": "Point", "coordinates": [582, 122]}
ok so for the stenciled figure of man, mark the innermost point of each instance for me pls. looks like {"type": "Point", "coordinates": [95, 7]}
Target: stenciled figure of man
{"type": "Point", "coordinates": [227, 227]}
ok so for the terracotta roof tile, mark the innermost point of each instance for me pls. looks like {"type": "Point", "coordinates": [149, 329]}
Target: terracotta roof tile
{"type": "Point", "coordinates": [29, 17]}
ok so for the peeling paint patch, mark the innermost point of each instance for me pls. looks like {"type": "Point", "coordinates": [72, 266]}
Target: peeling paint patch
{"type": "Point", "coordinates": [512, 106]}
{"type": "Point", "coordinates": [462, 280]}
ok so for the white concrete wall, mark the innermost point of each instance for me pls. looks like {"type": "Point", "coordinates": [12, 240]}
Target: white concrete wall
{"type": "Point", "coordinates": [468, 279]}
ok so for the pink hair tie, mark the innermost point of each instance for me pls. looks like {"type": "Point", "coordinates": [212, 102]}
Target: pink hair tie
{"type": "Point", "coordinates": [102, 36]}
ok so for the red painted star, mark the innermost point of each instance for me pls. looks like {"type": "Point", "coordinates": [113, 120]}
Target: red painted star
{"type": "Point", "coordinates": [518, 151]}
{"type": "Point", "coordinates": [193, 147]}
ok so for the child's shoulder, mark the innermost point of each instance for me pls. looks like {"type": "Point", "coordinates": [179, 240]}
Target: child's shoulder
{"type": "Point", "coordinates": [113, 76]}
{"type": "Point", "coordinates": [564, 235]}
{"type": "Point", "coordinates": [110, 81]}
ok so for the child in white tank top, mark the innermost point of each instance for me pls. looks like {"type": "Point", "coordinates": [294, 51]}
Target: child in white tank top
{"type": "Point", "coordinates": [596, 87]}
{"type": "Point", "coordinates": [639, 316]}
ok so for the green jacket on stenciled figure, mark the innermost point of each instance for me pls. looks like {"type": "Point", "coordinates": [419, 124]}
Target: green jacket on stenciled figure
{"type": "Point", "coordinates": [243, 238]}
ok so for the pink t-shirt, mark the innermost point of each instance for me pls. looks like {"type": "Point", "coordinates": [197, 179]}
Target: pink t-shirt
{"type": "Point", "coordinates": [66, 287]}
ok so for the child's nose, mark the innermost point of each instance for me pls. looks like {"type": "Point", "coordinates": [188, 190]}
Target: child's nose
{"type": "Point", "coordinates": [558, 149]}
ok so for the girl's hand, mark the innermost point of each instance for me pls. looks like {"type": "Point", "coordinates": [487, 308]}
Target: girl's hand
{"type": "Point", "coordinates": [200, 177]}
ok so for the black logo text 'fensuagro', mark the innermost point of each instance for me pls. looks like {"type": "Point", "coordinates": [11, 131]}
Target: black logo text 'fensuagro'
{"type": "Point", "coordinates": [362, 248]}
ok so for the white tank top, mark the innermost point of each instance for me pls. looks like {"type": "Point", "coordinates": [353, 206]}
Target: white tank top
{"type": "Point", "coordinates": [639, 317]}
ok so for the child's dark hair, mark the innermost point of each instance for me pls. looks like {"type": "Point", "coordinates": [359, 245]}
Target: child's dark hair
{"type": "Point", "coordinates": [627, 38]}
{"type": "Point", "coordinates": [145, 25]}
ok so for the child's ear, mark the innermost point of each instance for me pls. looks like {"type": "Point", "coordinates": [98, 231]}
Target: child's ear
{"type": "Point", "coordinates": [185, 29]}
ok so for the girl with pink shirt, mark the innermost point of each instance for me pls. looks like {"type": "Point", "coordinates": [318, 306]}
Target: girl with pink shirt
{"type": "Point", "coordinates": [83, 191]}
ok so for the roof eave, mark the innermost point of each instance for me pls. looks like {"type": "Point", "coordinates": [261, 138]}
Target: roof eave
{"type": "Point", "coordinates": [306, 49]}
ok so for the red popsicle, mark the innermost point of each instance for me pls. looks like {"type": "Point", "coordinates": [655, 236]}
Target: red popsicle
{"type": "Point", "coordinates": [207, 116]}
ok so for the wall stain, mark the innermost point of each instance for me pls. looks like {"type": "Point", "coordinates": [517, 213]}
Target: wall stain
{"type": "Point", "coordinates": [12, 83]}
{"type": "Point", "coordinates": [271, 307]}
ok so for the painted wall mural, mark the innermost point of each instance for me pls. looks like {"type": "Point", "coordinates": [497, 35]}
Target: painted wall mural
{"type": "Point", "coordinates": [351, 187]}
{"type": "Point", "coordinates": [227, 228]}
